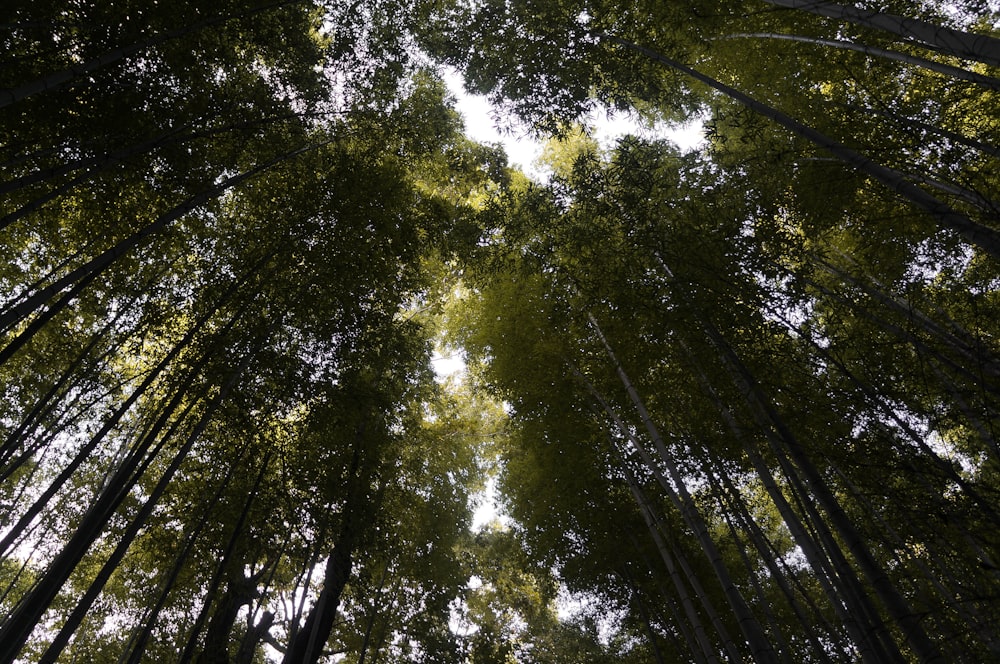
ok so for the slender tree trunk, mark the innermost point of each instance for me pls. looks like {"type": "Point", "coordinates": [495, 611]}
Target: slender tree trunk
{"type": "Point", "coordinates": [955, 42]}
{"type": "Point", "coordinates": [911, 124]}
{"type": "Point", "coordinates": [817, 488]}
{"type": "Point", "coordinates": [370, 626]}
{"type": "Point", "coordinates": [111, 564]}
{"type": "Point", "coordinates": [654, 642]}
{"type": "Point", "coordinates": [106, 162]}
{"type": "Point", "coordinates": [22, 620]}
{"type": "Point", "coordinates": [694, 522]}
{"type": "Point", "coordinates": [772, 560]}
{"type": "Point", "coordinates": [876, 52]}
{"type": "Point", "coordinates": [838, 581]}
{"type": "Point", "coordinates": [93, 164]}
{"type": "Point", "coordinates": [729, 514]}
{"type": "Point", "coordinates": [760, 646]}
{"type": "Point", "coordinates": [939, 361]}
{"type": "Point", "coordinates": [101, 262]}
{"type": "Point", "coordinates": [960, 341]}
{"type": "Point", "coordinates": [904, 427]}
{"type": "Point", "coordinates": [701, 593]}
{"type": "Point", "coordinates": [173, 136]}
{"type": "Point", "coordinates": [83, 455]}
{"type": "Point", "coordinates": [965, 194]}
{"type": "Point", "coordinates": [690, 611]}
{"type": "Point", "coordinates": [136, 645]}
{"type": "Point", "coordinates": [121, 411]}
{"type": "Point", "coordinates": [239, 592]}
{"type": "Point", "coordinates": [309, 642]}
{"type": "Point", "coordinates": [40, 321]}
{"type": "Point", "coordinates": [652, 524]}
{"type": "Point", "coordinates": [73, 373]}
{"type": "Point", "coordinates": [984, 237]}
{"type": "Point", "coordinates": [691, 643]}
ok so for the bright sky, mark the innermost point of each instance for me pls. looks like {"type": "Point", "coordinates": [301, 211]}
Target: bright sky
{"type": "Point", "coordinates": [522, 148]}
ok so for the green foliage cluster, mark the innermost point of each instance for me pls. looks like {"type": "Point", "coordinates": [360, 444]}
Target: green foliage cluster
{"type": "Point", "coordinates": [740, 403]}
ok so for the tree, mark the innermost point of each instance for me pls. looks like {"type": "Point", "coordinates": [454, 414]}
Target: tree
{"type": "Point", "coordinates": [634, 276]}
{"type": "Point", "coordinates": [739, 402]}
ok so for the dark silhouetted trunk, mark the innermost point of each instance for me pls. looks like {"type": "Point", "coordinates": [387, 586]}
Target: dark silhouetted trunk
{"type": "Point", "coordinates": [984, 237]}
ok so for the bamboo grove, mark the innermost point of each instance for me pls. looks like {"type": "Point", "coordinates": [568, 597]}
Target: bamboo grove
{"type": "Point", "coordinates": [741, 403]}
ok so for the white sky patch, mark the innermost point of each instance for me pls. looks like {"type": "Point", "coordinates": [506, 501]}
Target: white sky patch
{"type": "Point", "coordinates": [523, 147]}
{"type": "Point", "coordinates": [487, 508]}
{"type": "Point", "coordinates": [448, 366]}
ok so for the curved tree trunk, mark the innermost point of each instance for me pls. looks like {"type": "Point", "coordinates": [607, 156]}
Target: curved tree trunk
{"type": "Point", "coordinates": [309, 642]}
{"type": "Point", "coordinates": [961, 44]}
{"type": "Point", "coordinates": [984, 237]}
{"type": "Point", "coordinates": [876, 52]}
{"type": "Point", "coordinates": [29, 611]}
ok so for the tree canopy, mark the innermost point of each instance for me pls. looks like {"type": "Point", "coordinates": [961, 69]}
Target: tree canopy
{"type": "Point", "coordinates": [738, 404]}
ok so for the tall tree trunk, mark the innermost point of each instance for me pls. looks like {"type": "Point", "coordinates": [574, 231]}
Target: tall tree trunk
{"type": "Point", "coordinates": [239, 592]}
{"type": "Point", "coordinates": [690, 611]}
{"type": "Point", "coordinates": [838, 581]}
{"type": "Point", "coordinates": [136, 645]}
{"type": "Point", "coordinates": [876, 400]}
{"type": "Point", "coordinates": [75, 372]}
{"type": "Point", "coordinates": [760, 647]}
{"type": "Point", "coordinates": [654, 642]}
{"type": "Point", "coordinates": [254, 635]}
{"type": "Point", "coordinates": [173, 136]}
{"type": "Point", "coordinates": [29, 611]}
{"type": "Point", "coordinates": [690, 642]}
{"type": "Point", "coordinates": [84, 453]}
{"type": "Point", "coordinates": [772, 560]}
{"type": "Point", "coordinates": [83, 605]}
{"type": "Point", "coordinates": [984, 237]}
{"type": "Point", "coordinates": [106, 162]}
{"type": "Point", "coordinates": [370, 626]}
{"type": "Point", "coordinates": [958, 339]}
{"type": "Point", "coordinates": [786, 442]}
{"type": "Point", "coordinates": [106, 427]}
{"type": "Point", "coordinates": [966, 45]}
{"type": "Point", "coordinates": [729, 514]}
{"type": "Point", "coordinates": [42, 319]}
{"type": "Point", "coordinates": [95, 266]}
{"type": "Point", "coordinates": [309, 642]}
{"type": "Point", "coordinates": [876, 52]}
{"type": "Point", "coordinates": [912, 124]}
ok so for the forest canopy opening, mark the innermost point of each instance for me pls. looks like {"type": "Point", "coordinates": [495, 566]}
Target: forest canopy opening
{"type": "Point", "coordinates": [738, 400]}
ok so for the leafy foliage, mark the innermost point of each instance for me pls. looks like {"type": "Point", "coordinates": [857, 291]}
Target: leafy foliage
{"type": "Point", "coordinates": [739, 403]}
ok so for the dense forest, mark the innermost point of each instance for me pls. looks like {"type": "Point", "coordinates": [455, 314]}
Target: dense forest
{"type": "Point", "coordinates": [739, 403]}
